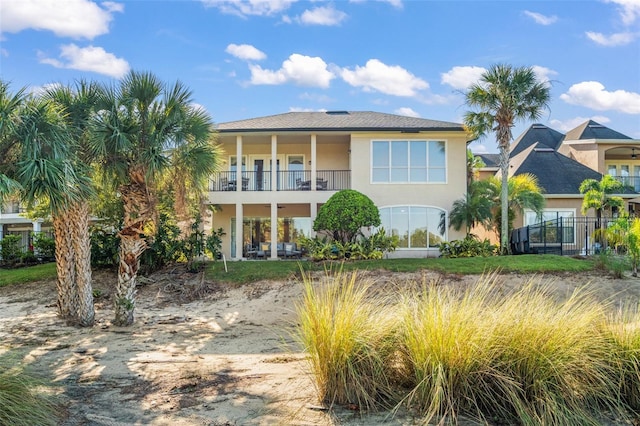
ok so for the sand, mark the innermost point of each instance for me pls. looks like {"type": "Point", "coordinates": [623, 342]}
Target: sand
{"type": "Point", "coordinates": [202, 353]}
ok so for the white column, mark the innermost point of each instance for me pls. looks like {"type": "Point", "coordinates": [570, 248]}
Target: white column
{"type": "Point", "coordinates": [239, 165]}
{"type": "Point", "coordinates": [313, 162]}
{"type": "Point", "coordinates": [274, 162]}
{"type": "Point", "coordinates": [274, 230]}
{"type": "Point", "coordinates": [239, 236]}
{"type": "Point", "coordinates": [314, 214]}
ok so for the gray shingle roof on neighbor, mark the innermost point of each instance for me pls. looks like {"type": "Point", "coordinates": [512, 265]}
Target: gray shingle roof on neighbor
{"type": "Point", "coordinates": [539, 134]}
{"type": "Point", "coordinates": [490, 160]}
{"type": "Point", "coordinates": [592, 130]}
{"type": "Point", "coordinates": [337, 120]}
{"type": "Point", "coordinates": [556, 173]}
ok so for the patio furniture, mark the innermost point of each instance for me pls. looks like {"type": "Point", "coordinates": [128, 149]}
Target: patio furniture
{"type": "Point", "coordinates": [290, 250]}
{"type": "Point", "coordinates": [321, 185]}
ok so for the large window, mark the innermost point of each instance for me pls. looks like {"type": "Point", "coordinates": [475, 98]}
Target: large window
{"type": "Point", "coordinates": [408, 161]}
{"type": "Point", "coordinates": [552, 221]}
{"type": "Point", "coordinates": [415, 226]}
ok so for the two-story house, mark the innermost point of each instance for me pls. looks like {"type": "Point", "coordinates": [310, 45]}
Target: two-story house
{"type": "Point", "coordinates": [280, 169]}
{"type": "Point", "coordinates": [13, 221]}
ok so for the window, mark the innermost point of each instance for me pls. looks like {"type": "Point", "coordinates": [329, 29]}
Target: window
{"type": "Point", "coordinates": [408, 161]}
{"type": "Point", "coordinates": [552, 221]}
{"type": "Point", "coordinates": [416, 227]}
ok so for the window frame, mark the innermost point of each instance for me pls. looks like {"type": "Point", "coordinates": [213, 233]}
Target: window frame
{"type": "Point", "coordinates": [428, 168]}
{"type": "Point", "coordinates": [427, 208]}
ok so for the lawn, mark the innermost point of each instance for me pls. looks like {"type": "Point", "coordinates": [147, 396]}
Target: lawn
{"type": "Point", "coordinates": [45, 271]}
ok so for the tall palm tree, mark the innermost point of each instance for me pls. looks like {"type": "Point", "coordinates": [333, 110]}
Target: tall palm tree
{"type": "Point", "coordinates": [140, 123]}
{"type": "Point", "coordinates": [36, 159]}
{"type": "Point", "coordinates": [72, 224]}
{"type": "Point", "coordinates": [503, 96]}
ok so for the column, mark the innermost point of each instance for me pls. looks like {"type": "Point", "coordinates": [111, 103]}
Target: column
{"type": "Point", "coordinates": [37, 228]}
{"type": "Point", "coordinates": [239, 228]}
{"type": "Point", "coordinates": [313, 163]}
{"type": "Point", "coordinates": [314, 213]}
{"type": "Point", "coordinates": [274, 162]}
{"type": "Point", "coordinates": [274, 230]}
{"type": "Point", "coordinates": [239, 168]}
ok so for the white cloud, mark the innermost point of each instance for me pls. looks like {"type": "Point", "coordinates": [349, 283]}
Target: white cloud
{"type": "Point", "coordinates": [387, 79]}
{"type": "Point", "coordinates": [616, 39]}
{"type": "Point", "coordinates": [629, 10]}
{"type": "Point", "coordinates": [69, 18]}
{"type": "Point", "coordinates": [246, 8]}
{"type": "Point", "coordinates": [40, 90]}
{"type": "Point", "coordinates": [298, 69]}
{"type": "Point", "coordinates": [478, 148]}
{"type": "Point", "coordinates": [592, 94]}
{"type": "Point", "coordinates": [408, 112]}
{"type": "Point", "coordinates": [324, 15]}
{"type": "Point", "coordinates": [300, 109]}
{"type": "Point", "coordinates": [543, 73]}
{"type": "Point", "coordinates": [462, 77]}
{"type": "Point", "coordinates": [4, 52]}
{"type": "Point", "coordinates": [91, 58]}
{"type": "Point", "coordinates": [540, 18]}
{"type": "Point", "coordinates": [395, 3]}
{"type": "Point", "coordinates": [316, 97]}
{"type": "Point", "coordinates": [572, 123]}
{"type": "Point", "coordinates": [245, 52]}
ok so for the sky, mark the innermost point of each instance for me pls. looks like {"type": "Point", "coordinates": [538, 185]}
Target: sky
{"type": "Point", "coordinates": [247, 59]}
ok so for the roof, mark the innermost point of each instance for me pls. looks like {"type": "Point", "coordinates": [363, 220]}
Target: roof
{"type": "Point", "coordinates": [537, 134]}
{"type": "Point", "coordinates": [592, 130]}
{"type": "Point", "coordinates": [337, 121]}
{"type": "Point", "coordinates": [489, 160]}
{"type": "Point", "coordinates": [556, 173]}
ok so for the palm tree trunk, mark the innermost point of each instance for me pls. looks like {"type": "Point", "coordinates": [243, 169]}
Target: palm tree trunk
{"type": "Point", "coordinates": [138, 210]}
{"type": "Point", "coordinates": [504, 199]}
{"type": "Point", "coordinates": [65, 267]}
{"type": "Point", "coordinates": [82, 248]}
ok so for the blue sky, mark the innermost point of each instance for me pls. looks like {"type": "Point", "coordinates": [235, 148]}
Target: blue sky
{"type": "Point", "coordinates": [245, 59]}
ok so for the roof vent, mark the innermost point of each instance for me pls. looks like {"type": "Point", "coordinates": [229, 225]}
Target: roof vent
{"type": "Point", "coordinates": [544, 150]}
{"type": "Point", "coordinates": [337, 112]}
{"type": "Point", "coordinates": [538, 126]}
{"type": "Point", "coordinates": [596, 126]}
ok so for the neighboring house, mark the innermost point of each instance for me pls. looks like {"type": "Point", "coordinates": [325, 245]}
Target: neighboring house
{"type": "Point", "coordinates": [280, 169]}
{"type": "Point", "coordinates": [562, 162]}
{"type": "Point", "coordinates": [13, 221]}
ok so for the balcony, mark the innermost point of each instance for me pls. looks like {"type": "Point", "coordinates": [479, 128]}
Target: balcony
{"type": "Point", "coordinates": [631, 183]}
{"type": "Point", "coordinates": [288, 180]}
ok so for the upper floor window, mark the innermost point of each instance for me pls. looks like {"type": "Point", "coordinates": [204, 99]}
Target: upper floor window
{"type": "Point", "coordinates": [408, 161]}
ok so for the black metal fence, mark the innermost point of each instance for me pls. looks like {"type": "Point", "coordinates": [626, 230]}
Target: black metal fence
{"type": "Point", "coordinates": [287, 180]}
{"type": "Point", "coordinates": [564, 236]}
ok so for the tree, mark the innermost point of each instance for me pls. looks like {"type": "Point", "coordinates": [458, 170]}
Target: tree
{"type": "Point", "coordinates": [475, 208]}
{"type": "Point", "coordinates": [140, 123]}
{"type": "Point", "coordinates": [72, 223]}
{"type": "Point", "coordinates": [598, 195]}
{"type": "Point", "coordinates": [503, 96]}
{"type": "Point", "coordinates": [345, 214]}
{"type": "Point", "coordinates": [474, 163]}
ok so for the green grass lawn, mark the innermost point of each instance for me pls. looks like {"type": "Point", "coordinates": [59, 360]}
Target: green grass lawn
{"type": "Point", "coordinates": [45, 271]}
{"type": "Point", "coordinates": [250, 271]}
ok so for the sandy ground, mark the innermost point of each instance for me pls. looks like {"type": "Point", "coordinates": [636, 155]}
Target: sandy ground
{"type": "Point", "coordinates": [202, 353]}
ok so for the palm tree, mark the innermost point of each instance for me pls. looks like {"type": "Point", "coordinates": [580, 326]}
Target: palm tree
{"type": "Point", "coordinates": [36, 159]}
{"type": "Point", "coordinates": [598, 195]}
{"type": "Point", "coordinates": [140, 123]}
{"type": "Point", "coordinates": [475, 208]}
{"type": "Point", "coordinates": [524, 193]}
{"type": "Point", "coordinates": [503, 96]}
{"type": "Point", "coordinates": [72, 224]}
{"type": "Point", "coordinates": [474, 163]}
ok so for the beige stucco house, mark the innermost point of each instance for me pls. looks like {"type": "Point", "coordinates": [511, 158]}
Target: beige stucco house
{"type": "Point", "coordinates": [279, 170]}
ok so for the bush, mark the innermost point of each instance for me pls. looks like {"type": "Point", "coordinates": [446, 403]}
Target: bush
{"type": "Point", "coordinates": [104, 247]}
{"type": "Point", "coordinates": [372, 247]}
{"type": "Point", "coordinates": [10, 250]}
{"type": "Point", "coordinates": [22, 402]}
{"type": "Point", "coordinates": [44, 246]}
{"type": "Point", "coordinates": [468, 247]}
{"type": "Point", "coordinates": [345, 214]}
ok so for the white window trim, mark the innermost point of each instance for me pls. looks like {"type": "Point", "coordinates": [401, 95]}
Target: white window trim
{"type": "Point", "coordinates": [446, 161]}
{"type": "Point", "coordinates": [304, 160]}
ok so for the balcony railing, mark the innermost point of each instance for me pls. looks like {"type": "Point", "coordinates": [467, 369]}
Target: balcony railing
{"type": "Point", "coordinates": [631, 183]}
{"type": "Point", "coordinates": [287, 180]}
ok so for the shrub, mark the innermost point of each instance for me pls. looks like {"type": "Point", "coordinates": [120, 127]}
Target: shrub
{"type": "Point", "coordinates": [349, 340]}
{"type": "Point", "coordinates": [104, 247]}
{"type": "Point", "coordinates": [44, 246]}
{"type": "Point", "coordinates": [372, 247]}
{"type": "Point", "coordinates": [22, 402]}
{"type": "Point", "coordinates": [468, 247]}
{"type": "Point", "coordinates": [10, 248]}
{"type": "Point", "coordinates": [345, 214]}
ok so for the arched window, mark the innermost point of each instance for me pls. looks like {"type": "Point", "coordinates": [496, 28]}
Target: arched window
{"type": "Point", "coordinates": [417, 227]}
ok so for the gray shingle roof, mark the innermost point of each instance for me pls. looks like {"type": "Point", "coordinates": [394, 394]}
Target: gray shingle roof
{"type": "Point", "coordinates": [490, 160]}
{"type": "Point", "coordinates": [592, 130]}
{"type": "Point", "coordinates": [336, 120]}
{"type": "Point", "coordinates": [539, 134]}
{"type": "Point", "coordinates": [556, 173]}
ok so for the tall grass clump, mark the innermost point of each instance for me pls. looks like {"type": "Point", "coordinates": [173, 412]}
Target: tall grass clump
{"type": "Point", "coordinates": [623, 328]}
{"type": "Point", "coordinates": [349, 339]}
{"type": "Point", "coordinates": [558, 357]}
{"type": "Point", "coordinates": [448, 340]}
{"type": "Point", "coordinates": [22, 401]}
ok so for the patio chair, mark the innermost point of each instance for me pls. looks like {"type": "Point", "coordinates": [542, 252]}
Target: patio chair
{"type": "Point", "coordinates": [290, 250]}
